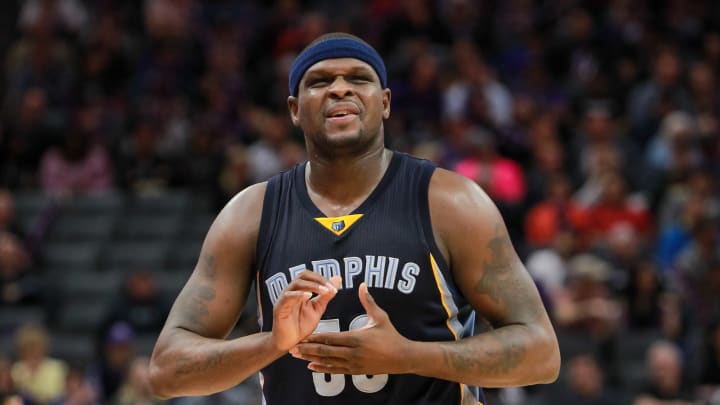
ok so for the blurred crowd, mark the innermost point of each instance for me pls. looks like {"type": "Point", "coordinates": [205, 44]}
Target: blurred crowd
{"type": "Point", "coordinates": [594, 126]}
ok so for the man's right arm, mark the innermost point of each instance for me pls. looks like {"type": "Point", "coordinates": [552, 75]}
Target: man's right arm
{"type": "Point", "coordinates": [192, 355]}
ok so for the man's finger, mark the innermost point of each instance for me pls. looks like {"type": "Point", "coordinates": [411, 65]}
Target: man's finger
{"type": "Point", "coordinates": [346, 339]}
{"type": "Point", "coordinates": [374, 312]}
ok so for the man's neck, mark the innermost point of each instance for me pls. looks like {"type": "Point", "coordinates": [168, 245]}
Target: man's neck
{"type": "Point", "coordinates": [338, 186]}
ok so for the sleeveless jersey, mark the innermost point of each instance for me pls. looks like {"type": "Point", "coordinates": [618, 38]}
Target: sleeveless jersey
{"type": "Point", "coordinates": [386, 242]}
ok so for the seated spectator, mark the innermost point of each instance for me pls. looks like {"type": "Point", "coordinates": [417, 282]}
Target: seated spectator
{"type": "Point", "coordinates": [644, 298]}
{"type": "Point", "coordinates": [548, 266]}
{"type": "Point", "coordinates": [666, 378]}
{"type": "Point", "coordinates": [548, 162]}
{"type": "Point", "coordinates": [37, 376]}
{"type": "Point", "coordinates": [115, 355]}
{"type": "Point", "coordinates": [586, 303]}
{"type": "Point", "coordinates": [7, 386]}
{"type": "Point", "coordinates": [140, 166]}
{"type": "Point", "coordinates": [78, 166]}
{"type": "Point", "coordinates": [19, 284]}
{"type": "Point", "coordinates": [555, 214]}
{"type": "Point", "coordinates": [275, 150]}
{"type": "Point", "coordinates": [697, 272]}
{"type": "Point", "coordinates": [234, 175]}
{"type": "Point", "coordinates": [616, 205]}
{"type": "Point", "coordinates": [677, 235]}
{"type": "Point", "coordinates": [624, 249]}
{"type": "Point", "coordinates": [674, 147]}
{"type": "Point", "coordinates": [139, 303]}
{"type": "Point", "coordinates": [78, 390]}
{"type": "Point", "coordinates": [502, 179]}
{"type": "Point", "coordinates": [135, 389]}
{"type": "Point", "coordinates": [586, 384]}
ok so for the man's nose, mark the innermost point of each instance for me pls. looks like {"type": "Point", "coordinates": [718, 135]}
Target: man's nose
{"type": "Point", "coordinates": [340, 87]}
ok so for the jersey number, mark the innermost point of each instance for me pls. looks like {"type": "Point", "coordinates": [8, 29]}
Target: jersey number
{"type": "Point", "coordinates": [329, 385]}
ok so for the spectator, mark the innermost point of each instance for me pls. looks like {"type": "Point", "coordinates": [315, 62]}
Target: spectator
{"type": "Point", "coordinates": [139, 304]}
{"type": "Point", "coordinates": [548, 162]}
{"type": "Point", "coordinates": [586, 384]}
{"type": "Point", "coordinates": [113, 362]}
{"type": "Point", "coordinates": [556, 214]}
{"type": "Point", "coordinates": [417, 98]}
{"type": "Point", "coordinates": [7, 386]}
{"type": "Point", "coordinates": [662, 93]}
{"type": "Point", "coordinates": [19, 282]}
{"type": "Point", "coordinates": [80, 166]}
{"type": "Point", "coordinates": [644, 298]}
{"type": "Point", "coordinates": [666, 378]}
{"type": "Point", "coordinates": [675, 236]}
{"type": "Point", "coordinates": [586, 303]}
{"type": "Point", "coordinates": [674, 151]}
{"type": "Point", "coordinates": [78, 390]}
{"type": "Point", "coordinates": [697, 271]}
{"type": "Point", "coordinates": [234, 175]}
{"type": "Point", "coordinates": [64, 16]}
{"type": "Point", "coordinates": [502, 178]}
{"type": "Point", "coordinates": [616, 206]}
{"type": "Point", "coordinates": [548, 266]}
{"type": "Point", "coordinates": [598, 130]}
{"type": "Point", "coordinates": [29, 129]}
{"type": "Point", "coordinates": [275, 150]}
{"type": "Point", "coordinates": [140, 167]}
{"type": "Point", "coordinates": [135, 389]}
{"type": "Point", "coordinates": [37, 376]}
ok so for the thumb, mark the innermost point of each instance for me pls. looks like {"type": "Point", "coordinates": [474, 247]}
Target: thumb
{"type": "Point", "coordinates": [374, 312]}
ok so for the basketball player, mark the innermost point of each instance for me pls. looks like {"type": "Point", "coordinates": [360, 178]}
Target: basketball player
{"type": "Point", "coordinates": [370, 267]}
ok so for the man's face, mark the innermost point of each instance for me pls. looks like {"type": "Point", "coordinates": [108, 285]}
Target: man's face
{"type": "Point", "coordinates": [340, 103]}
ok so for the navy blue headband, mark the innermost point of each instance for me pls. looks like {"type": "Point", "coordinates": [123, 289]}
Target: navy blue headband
{"type": "Point", "coordinates": [333, 48]}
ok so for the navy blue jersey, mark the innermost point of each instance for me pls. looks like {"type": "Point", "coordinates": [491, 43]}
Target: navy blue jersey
{"type": "Point", "coordinates": [386, 242]}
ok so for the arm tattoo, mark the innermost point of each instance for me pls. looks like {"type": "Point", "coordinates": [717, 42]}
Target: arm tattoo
{"type": "Point", "coordinates": [188, 365]}
{"type": "Point", "coordinates": [208, 266]}
{"type": "Point", "coordinates": [200, 295]}
{"type": "Point", "coordinates": [499, 354]}
{"type": "Point", "coordinates": [501, 280]}
{"type": "Point", "coordinates": [496, 270]}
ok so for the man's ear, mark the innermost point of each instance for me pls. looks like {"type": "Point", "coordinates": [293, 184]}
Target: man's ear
{"type": "Point", "coordinates": [293, 108]}
{"type": "Point", "coordinates": [386, 103]}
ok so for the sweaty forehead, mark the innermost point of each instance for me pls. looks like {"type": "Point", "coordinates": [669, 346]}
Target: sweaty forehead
{"type": "Point", "coordinates": [340, 66]}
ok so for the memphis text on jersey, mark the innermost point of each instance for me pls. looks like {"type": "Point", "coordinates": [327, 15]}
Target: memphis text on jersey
{"type": "Point", "coordinates": [380, 272]}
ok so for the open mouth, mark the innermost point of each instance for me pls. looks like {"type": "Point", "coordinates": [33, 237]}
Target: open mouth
{"type": "Point", "coordinates": [342, 112]}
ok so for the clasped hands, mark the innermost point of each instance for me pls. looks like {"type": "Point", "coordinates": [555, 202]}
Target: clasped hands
{"type": "Point", "coordinates": [376, 348]}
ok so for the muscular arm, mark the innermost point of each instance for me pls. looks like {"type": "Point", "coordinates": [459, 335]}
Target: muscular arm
{"type": "Point", "coordinates": [192, 355]}
{"type": "Point", "coordinates": [522, 348]}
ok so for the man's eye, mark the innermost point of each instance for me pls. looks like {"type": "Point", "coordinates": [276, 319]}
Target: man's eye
{"type": "Point", "coordinates": [360, 79]}
{"type": "Point", "coordinates": [317, 82]}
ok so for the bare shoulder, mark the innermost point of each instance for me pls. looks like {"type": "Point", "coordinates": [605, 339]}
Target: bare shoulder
{"type": "Point", "coordinates": [240, 218]}
{"type": "Point", "coordinates": [457, 202]}
{"type": "Point", "coordinates": [247, 202]}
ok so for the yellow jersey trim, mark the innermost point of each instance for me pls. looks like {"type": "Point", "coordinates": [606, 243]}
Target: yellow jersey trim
{"type": "Point", "coordinates": [436, 274]}
{"type": "Point", "coordinates": [339, 225]}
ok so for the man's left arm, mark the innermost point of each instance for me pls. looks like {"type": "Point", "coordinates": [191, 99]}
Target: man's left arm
{"type": "Point", "coordinates": [521, 348]}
